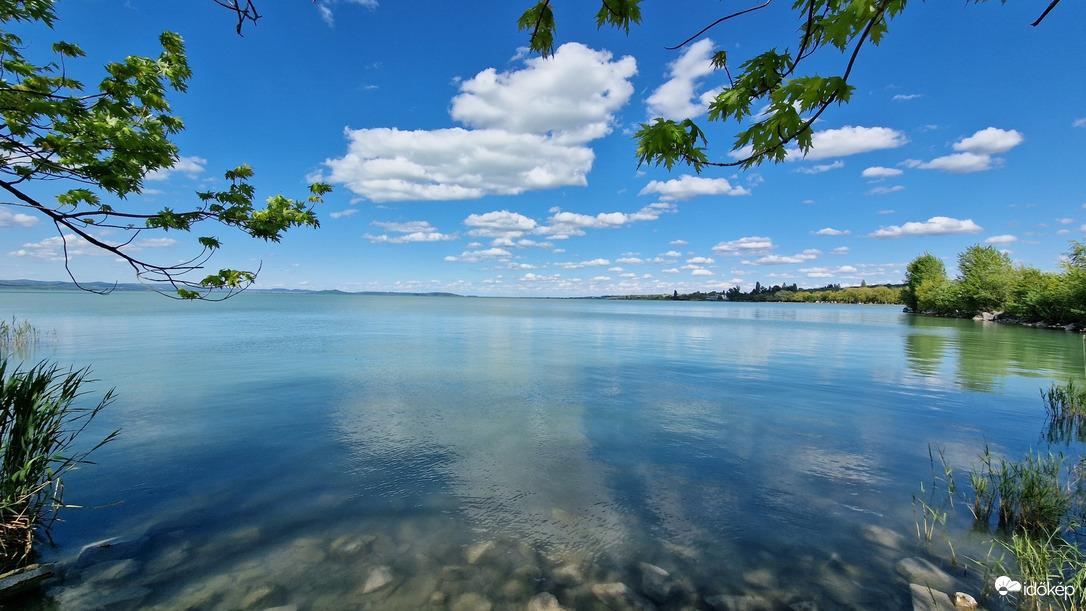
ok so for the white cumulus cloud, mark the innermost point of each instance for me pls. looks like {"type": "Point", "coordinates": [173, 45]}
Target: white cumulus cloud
{"type": "Point", "coordinates": [500, 224]}
{"type": "Point", "coordinates": [850, 140]}
{"type": "Point", "coordinates": [11, 219]}
{"type": "Point", "coordinates": [957, 163]}
{"type": "Point", "coordinates": [475, 256]}
{"type": "Point", "coordinates": [937, 225]}
{"type": "Point", "coordinates": [990, 141]}
{"type": "Point", "coordinates": [189, 166]}
{"type": "Point", "coordinates": [342, 213]}
{"type": "Point", "coordinates": [572, 96]}
{"type": "Point", "coordinates": [820, 168]}
{"type": "Point", "coordinates": [687, 187]}
{"type": "Point", "coordinates": [975, 153]}
{"type": "Point", "coordinates": [565, 224]}
{"type": "Point", "coordinates": [831, 231]}
{"type": "Point", "coordinates": [745, 246]}
{"type": "Point", "coordinates": [1001, 239]}
{"type": "Point", "coordinates": [54, 248]}
{"type": "Point", "coordinates": [324, 7]}
{"type": "Point", "coordinates": [678, 98]}
{"type": "Point", "coordinates": [877, 172]}
{"type": "Point", "coordinates": [807, 255]}
{"type": "Point", "coordinates": [529, 131]}
{"type": "Point", "coordinates": [407, 232]}
{"type": "Point", "coordinates": [886, 190]}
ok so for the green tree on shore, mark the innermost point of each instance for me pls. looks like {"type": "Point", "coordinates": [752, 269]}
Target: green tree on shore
{"type": "Point", "coordinates": [987, 279]}
{"type": "Point", "coordinates": [927, 268]}
{"type": "Point", "coordinates": [990, 282]}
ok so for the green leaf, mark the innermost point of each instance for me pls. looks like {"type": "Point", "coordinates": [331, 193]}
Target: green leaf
{"type": "Point", "coordinates": [539, 20]}
{"type": "Point", "coordinates": [619, 13]}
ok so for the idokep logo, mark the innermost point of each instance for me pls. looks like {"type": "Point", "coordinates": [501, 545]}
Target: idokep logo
{"type": "Point", "coordinates": [1005, 585]}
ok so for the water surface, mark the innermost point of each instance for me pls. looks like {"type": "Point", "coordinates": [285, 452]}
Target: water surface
{"type": "Point", "coordinates": [284, 449]}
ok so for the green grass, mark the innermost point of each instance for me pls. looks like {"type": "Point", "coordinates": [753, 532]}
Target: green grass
{"type": "Point", "coordinates": [41, 414]}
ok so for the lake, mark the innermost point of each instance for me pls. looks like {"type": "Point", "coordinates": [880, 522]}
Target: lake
{"type": "Point", "coordinates": [397, 452]}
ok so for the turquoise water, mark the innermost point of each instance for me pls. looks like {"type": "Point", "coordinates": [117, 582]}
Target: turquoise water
{"type": "Point", "coordinates": [285, 449]}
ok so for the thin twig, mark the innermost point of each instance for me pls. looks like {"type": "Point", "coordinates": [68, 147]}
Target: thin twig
{"type": "Point", "coordinates": [716, 23]}
{"type": "Point", "coordinates": [1045, 14]}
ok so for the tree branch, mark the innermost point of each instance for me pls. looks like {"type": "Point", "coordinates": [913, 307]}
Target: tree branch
{"type": "Point", "coordinates": [146, 272]}
{"type": "Point", "coordinates": [1048, 10]}
{"type": "Point", "coordinates": [246, 13]}
{"type": "Point", "coordinates": [806, 125]}
{"type": "Point", "coordinates": [716, 23]}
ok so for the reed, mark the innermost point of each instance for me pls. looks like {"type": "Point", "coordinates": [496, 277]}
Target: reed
{"type": "Point", "coordinates": [20, 338]}
{"type": "Point", "coordinates": [1065, 407]}
{"type": "Point", "coordinates": [1034, 495]}
{"type": "Point", "coordinates": [1047, 559]}
{"type": "Point", "coordinates": [933, 505]}
{"type": "Point", "coordinates": [41, 414]}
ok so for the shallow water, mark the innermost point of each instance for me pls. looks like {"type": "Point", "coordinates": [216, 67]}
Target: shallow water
{"type": "Point", "coordinates": [291, 449]}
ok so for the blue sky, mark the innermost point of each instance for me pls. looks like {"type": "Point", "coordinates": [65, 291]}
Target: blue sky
{"type": "Point", "coordinates": [460, 163]}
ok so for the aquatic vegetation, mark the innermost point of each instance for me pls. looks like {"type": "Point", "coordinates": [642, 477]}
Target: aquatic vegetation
{"type": "Point", "coordinates": [934, 502]}
{"type": "Point", "coordinates": [20, 338]}
{"type": "Point", "coordinates": [1034, 510]}
{"type": "Point", "coordinates": [1066, 410]}
{"type": "Point", "coordinates": [1049, 560]}
{"type": "Point", "coordinates": [40, 419]}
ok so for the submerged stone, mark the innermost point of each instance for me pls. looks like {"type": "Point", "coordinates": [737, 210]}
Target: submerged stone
{"type": "Point", "coordinates": [92, 598]}
{"type": "Point", "coordinates": [922, 572]}
{"type": "Point", "coordinates": [964, 601]}
{"type": "Point", "coordinates": [619, 596]}
{"type": "Point", "coordinates": [928, 599]}
{"type": "Point", "coordinates": [351, 545]}
{"type": "Point", "coordinates": [475, 552]}
{"type": "Point", "coordinates": [544, 602]}
{"type": "Point", "coordinates": [168, 560]}
{"type": "Point", "coordinates": [378, 578]}
{"type": "Point", "coordinates": [113, 570]}
{"type": "Point", "coordinates": [569, 575]}
{"type": "Point", "coordinates": [472, 602]}
{"type": "Point", "coordinates": [884, 537]}
{"type": "Point", "coordinates": [516, 589]}
{"type": "Point", "coordinates": [21, 580]}
{"type": "Point", "coordinates": [733, 602]}
{"type": "Point", "coordinates": [656, 583]}
{"type": "Point", "coordinates": [761, 578]}
{"type": "Point", "coordinates": [257, 597]}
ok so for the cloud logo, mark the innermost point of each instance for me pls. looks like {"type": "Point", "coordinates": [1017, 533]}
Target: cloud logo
{"type": "Point", "coordinates": [1005, 585]}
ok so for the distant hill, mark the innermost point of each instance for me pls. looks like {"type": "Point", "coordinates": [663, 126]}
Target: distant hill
{"type": "Point", "coordinates": [39, 285]}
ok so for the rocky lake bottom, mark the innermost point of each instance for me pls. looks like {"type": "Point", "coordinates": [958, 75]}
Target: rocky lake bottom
{"type": "Point", "coordinates": [434, 564]}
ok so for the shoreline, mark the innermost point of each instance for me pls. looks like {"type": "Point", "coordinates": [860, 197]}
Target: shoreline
{"type": "Point", "coordinates": [998, 317]}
